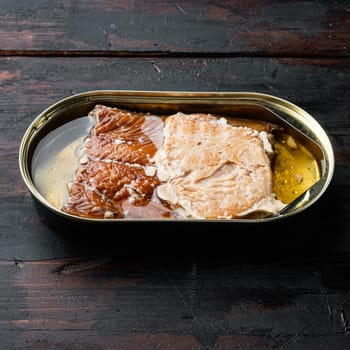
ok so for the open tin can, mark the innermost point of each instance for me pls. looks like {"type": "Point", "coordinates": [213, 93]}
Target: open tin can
{"type": "Point", "coordinates": [296, 122]}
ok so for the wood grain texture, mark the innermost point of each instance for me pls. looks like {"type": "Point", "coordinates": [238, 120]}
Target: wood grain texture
{"type": "Point", "coordinates": [147, 304]}
{"type": "Point", "coordinates": [268, 27]}
{"type": "Point", "coordinates": [278, 286]}
{"type": "Point", "coordinates": [29, 85]}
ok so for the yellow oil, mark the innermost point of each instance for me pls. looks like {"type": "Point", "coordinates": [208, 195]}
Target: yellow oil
{"type": "Point", "coordinates": [295, 169]}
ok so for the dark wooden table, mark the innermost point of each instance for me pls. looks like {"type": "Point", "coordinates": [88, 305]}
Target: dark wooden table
{"type": "Point", "coordinates": [281, 286]}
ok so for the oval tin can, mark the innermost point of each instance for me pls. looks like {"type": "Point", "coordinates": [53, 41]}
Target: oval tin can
{"type": "Point", "coordinates": [294, 119]}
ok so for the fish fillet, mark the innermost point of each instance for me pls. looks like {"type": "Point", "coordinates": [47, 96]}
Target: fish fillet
{"type": "Point", "coordinates": [140, 165]}
{"type": "Point", "coordinates": [115, 170]}
{"type": "Point", "coordinates": [210, 169]}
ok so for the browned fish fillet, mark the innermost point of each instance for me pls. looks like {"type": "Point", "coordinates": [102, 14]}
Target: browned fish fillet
{"type": "Point", "coordinates": [210, 169]}
{"type": "Point", "coordinates": [115, 164]}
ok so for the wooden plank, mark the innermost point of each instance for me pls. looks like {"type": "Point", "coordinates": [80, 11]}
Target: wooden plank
{"type": "Point", "coordinates": [29, 85]}
{"type": "Point", "coordinates": [268, 27]}
{"type": "Point", "coordinates": [101, 303]}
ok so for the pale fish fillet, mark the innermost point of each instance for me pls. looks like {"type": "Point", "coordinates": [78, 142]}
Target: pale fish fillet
{"type": "Point", "coordinates": [210, 169]}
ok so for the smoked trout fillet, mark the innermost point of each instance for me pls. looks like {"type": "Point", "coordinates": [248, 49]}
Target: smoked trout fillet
{"type": "Point", "coordinates": [114, 173]}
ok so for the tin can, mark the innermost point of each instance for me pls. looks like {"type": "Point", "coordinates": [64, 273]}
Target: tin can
{"type": "Point", "coordinates": [295, 121]}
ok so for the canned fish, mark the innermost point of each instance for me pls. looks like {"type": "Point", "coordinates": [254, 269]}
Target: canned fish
{"type": "Point", "coordinates": [175, 156]}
